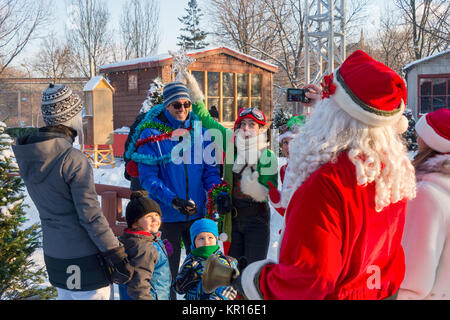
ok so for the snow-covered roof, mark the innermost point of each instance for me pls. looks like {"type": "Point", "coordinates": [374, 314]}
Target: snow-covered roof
{"type": "Point", "coordinates": [130, 62]}
{"type": "Point", "coordinates": [166, 56]}
{"type": "Point", "coordinates": [411, 64]}
{"type": "Point", "coordinates": [93, 83]}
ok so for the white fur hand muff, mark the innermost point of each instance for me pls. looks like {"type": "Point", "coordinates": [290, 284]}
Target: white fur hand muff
{"type": "Point", "coordinates": [251, 186]}
{"type": "Point", "coordinates": [194, 90]}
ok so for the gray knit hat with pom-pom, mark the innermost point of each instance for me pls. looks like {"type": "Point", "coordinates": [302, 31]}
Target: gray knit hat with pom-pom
{"type": "Point", "coordinates": [59, 104]}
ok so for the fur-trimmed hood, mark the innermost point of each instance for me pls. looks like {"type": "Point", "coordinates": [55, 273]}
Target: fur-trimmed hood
{"type": "Point", "coordinates": [439, 163]}
{"type": "Point", "coordinates": [435, 170]}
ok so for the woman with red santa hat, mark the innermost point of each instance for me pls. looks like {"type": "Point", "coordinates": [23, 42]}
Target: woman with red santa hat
{"type": "Point", "coordinates": [345, 194]}
{"type": "Point", "coordinates": [427, 250]}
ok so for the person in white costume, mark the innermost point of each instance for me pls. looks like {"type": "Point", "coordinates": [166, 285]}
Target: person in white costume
{"type": "Point", "coordinates": [427, 251]}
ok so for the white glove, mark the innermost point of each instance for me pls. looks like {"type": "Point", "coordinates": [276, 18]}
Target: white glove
{"type": "Point", "coordinates": [188, 79]}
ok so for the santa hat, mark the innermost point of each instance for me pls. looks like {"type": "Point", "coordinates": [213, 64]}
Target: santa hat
{"type": "Point", "coordinates": [434, 129]}
{"type": "Point", "coordinates": [250, 113]}
{"type": "Point", "coordinates": [367, 90]}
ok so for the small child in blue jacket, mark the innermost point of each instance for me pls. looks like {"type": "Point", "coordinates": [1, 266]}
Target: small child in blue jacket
{"type": "Point", "coordinates": [204, 235]}
{"type": "Point", "coordinates": [146, 251]}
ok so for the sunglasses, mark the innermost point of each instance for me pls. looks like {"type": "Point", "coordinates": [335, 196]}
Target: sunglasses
{"type": "Point", "coordinates": [254, 111]}
{"type": "Point", "coordinates": [178, 105]}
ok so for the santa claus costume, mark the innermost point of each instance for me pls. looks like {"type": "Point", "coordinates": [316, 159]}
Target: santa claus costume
{"type": "Point", "coordinates": [427, 251]}
{"type": "Point", "coordinates": [345, 192]}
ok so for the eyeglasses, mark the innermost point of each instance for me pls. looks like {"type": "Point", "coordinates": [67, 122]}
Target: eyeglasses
{"type": "Point", "coordinates": [254, 111]}
{"type": "Point", "coordinates": [178, 105]}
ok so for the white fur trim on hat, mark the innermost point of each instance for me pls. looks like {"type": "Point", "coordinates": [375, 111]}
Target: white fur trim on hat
{"type": "Point", "coordinates": [248, 278]}
{"type": "Point", "coordinates": [431, 138]}
{"type": "Point", "coordinates": [287, 134]}
{"type": "Point", "coordinates": [345, 102]}
{"type": "Point", "coordinates": [401, 125]}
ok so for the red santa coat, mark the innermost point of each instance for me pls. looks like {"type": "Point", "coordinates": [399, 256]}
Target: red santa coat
{"type": "Point", "coordinates": [335, 245]}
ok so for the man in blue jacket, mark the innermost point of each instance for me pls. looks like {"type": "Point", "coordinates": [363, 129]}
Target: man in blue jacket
{"type": "Point", "coordinates": [173, 169]}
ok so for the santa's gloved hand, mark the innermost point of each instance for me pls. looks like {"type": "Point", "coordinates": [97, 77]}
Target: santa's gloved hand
{"type": "Point", "coordinates": [186, 207]}
{"type": "Point", "coordinates": [223, 202]}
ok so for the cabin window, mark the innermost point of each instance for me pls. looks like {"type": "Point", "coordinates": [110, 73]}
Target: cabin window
{"type": "Point", "coordinates": [434, 93]}
{"type": "Point", "coordinates": [228, 98]}
{"type": "Point", "coordinates": [256, 90]}
{"type": "Point", "coordinates": [230, 91]}
{"type": "Point", "coordinates": [132, 82]}
{"type": "Point", "coordinates": [200, 77]}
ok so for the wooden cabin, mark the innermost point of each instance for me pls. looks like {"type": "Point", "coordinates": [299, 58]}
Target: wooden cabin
{"type": "Point", "coordinates": [428, 83]}
{"type": "Point", "coordinates": [229, 79]}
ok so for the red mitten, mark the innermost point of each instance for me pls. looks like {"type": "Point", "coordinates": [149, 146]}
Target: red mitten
{"type": "Point", "coordinates": [274, 194]}
{"type": "Point", "coordinates": [132, 169]}
{"type": "Point", "coordinates": [275, 198]}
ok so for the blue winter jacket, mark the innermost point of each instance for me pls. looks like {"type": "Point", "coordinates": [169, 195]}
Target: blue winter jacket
{"type": "Point", "coordinates": [194, 291]}
{"type": "Point", "coordinates": [162, 278]}
{"type": "Point", "coordinates": [188, 175]}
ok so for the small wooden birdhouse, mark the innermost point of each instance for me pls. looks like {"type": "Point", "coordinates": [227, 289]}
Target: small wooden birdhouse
{"type": "Point", "coordinates": [98, 121]}
{"type": "Point", "coordinates": [98, 94]}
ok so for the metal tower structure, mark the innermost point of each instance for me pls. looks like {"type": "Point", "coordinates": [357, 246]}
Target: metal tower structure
{"type": "Point", "coordinates": [324, 38]}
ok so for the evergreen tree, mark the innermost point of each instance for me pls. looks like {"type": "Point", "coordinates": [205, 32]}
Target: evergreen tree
{"type": "Point", "coordinates": [193, 37]}
{"type": "Point", "coordinates": [280, 117]}
{"type": "Point", "coordinates": [154, 95]}
{"type": "Point", "coordinates": [410, 135]}
{"type": "Point", "coordinates": [20, 278]}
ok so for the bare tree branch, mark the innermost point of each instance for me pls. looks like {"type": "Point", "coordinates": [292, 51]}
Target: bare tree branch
{"type": "Point", "coordinates": [427, 21]}
{"type": "Point", "coordinates": [139, 28]}
{"type": "Point", "coordinates": [20, 20]}
{"type": "Point", "coordinates": [90, 38]}
{"type": "Point", "coordinates": [54, 60]}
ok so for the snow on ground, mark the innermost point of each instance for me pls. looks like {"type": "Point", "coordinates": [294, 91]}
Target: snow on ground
{"type": "Point", "coordinates": [114, 176]}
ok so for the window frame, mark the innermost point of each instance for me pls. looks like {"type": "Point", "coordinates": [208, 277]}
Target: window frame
{"type": "Point", "coordinates": [129, 75]}
{"type": "Point", "coordinates": [221, 96]}
{"type": "Point", "coordinates": [419, 91]}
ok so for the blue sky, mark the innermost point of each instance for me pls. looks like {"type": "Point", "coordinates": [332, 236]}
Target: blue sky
{"type": "Point", "coordinates": [170, 10]}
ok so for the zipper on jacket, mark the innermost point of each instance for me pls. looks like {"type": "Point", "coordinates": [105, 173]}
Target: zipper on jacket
{"type": "Point", "coordinates": [186, 174]}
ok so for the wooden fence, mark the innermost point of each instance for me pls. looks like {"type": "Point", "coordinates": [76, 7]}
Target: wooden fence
{"type": "Point", "coordinates": [111, 201]}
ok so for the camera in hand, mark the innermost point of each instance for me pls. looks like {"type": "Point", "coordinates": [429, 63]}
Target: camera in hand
{"type": "Point", "coordinates": [297, 95]}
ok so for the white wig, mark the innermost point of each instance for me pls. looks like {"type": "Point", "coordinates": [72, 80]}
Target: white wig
{"type": "Point", "coordinates": [377, 153]}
